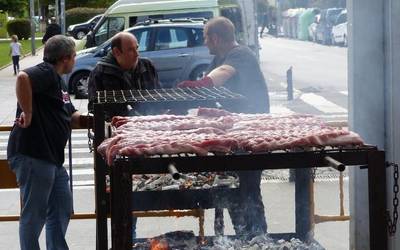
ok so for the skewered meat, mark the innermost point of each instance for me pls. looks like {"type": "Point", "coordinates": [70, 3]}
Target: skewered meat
{"type": "Point", "coordinates": [213, 130]}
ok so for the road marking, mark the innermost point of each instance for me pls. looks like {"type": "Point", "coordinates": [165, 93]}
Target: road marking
{"type": "Point", "coordinates": [74, 143]}
{"type": "Point", "coordinates": [344, 92]}
{"type": "Point", "coordinates": [79, 161]}
{"type": "Point", "coordinates": [4, 136]}
{"type": "Point", "coordinates": [280, 110]}
{"type": "Point", "coordinates": [86, 171]}
{"type": "Point", "coordinates": [321, 103]}
{"type": "Point", "coordinates": [74, 151]}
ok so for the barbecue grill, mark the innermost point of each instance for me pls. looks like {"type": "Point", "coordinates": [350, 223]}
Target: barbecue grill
{"type": "Point", "coordinates": [303, 160]}
{"type": "Point", "coordinates": [175, 98]}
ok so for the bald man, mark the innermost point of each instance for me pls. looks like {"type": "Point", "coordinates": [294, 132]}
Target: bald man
{"type": "Point", "coordinates": [122, 69]}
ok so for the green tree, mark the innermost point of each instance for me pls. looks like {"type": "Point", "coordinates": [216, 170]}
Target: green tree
{"type": "Point", "coordinates": [89, 3]}
{"type": "Point", "coordinates": [14, 7]}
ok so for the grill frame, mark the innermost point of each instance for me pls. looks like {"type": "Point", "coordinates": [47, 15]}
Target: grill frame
{"type": "Point", "coordinates": [120, 198]}
{"type": "Point", "coordinates": [369, 158]}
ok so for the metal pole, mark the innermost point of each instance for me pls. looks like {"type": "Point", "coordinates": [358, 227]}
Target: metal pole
{"type": "Point", "coordinates": [62, 16]}
{"type": "Point", "coordinates": [71, 179]}
{"type": "Point", "coordinates": [32, 14]}
{"type": "Point", "coordinates": [56, 11]}
{"type": "Point", "coordinates": [289, 77]}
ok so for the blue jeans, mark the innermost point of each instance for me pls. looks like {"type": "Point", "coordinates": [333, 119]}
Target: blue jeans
{"type": "Point", "coordinates": [46, 199]}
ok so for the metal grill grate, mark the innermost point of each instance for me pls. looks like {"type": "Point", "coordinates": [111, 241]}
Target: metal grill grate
{"type": "Point", "coordinates": [167, 95]}
{"type": "Point", "coordinates": [316, 150]}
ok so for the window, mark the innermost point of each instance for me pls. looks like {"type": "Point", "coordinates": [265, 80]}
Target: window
{"type": "Point", "coordinates": [342, 18]}
{"type": "Point", "coordinates": [198, 39]}
{"type": "Point", "coordinates": [143, 37]}
{"type": "Point", "coordinates": [171, 38]}
{"type": "Point", "coordinates": [109, 28]}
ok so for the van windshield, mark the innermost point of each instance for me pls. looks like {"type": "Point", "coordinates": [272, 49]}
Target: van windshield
{"type": "Point", "coordinates": [109, 28]}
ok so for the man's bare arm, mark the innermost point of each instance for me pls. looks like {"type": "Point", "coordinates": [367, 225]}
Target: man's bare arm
{"type": "Point", "coordinates": [24, 97]}
{"type": "Point", "coordinates": [221, 74]}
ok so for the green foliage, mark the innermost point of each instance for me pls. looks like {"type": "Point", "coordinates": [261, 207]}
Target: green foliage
{"type": "Point", "coordinates": [89, 3]}
{"type": "Point", "coordinates": [5, 49]}
{"type": "Point", "coordinates": [79, 15]}
{"type": "Point", "coordinates": [19, 27]}
{"type": "Point", "coordinates": [14, 7]}
{"type": "Point", "coordinates": [3, 25]}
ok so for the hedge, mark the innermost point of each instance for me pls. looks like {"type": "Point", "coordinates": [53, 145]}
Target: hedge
{"type": "Point", "coordinates": [19, 27]}
{"type": "Point", "coordinates": [80, 15]}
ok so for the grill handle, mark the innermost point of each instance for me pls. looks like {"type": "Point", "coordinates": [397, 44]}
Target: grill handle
{"type": "Point", "coordinates": [334, 163]}
{"type": "Point", "coordinates": [173, 171]}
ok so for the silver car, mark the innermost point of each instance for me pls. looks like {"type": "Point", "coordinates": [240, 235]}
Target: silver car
{"type": "Point", "coordinates": [176, 49]}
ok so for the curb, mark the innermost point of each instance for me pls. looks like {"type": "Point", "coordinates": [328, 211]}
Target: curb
{"type": "Point", "coordinates": [22, 57]}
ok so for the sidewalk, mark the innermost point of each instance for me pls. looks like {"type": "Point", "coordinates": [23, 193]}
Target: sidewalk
{"type": "Point", "coordinates": [8, 105]}
{"type": "Point", "coordinates": [7, 85]}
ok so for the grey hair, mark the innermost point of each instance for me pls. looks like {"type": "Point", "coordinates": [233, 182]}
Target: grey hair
{"type": "Point", "coordinates": [57, 48]}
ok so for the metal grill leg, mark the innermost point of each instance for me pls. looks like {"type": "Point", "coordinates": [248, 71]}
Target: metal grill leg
{"type": "Point", "coordinates": [121, 212]}
{"type": "Point", "coordinates": [303, 199]}
{"type": "Point", "coordinates": [377, 200]}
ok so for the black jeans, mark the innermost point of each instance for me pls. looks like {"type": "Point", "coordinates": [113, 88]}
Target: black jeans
{"type": "Point", "coordinates": [15, 60]}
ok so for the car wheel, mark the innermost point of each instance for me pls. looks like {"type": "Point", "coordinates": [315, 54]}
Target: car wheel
{"type": "Point", "coordinates": [198, 73]}
{"type": "Point", "coordinates": [344, 41]}
{"type": "Point", "coordinates": [80, 35]}
{"type": "Point", "coordinates": [80, 84]}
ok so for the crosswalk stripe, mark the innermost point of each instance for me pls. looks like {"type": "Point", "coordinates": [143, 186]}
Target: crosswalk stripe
{"type": "Point", "coordinates": [75, 136]}
{"type": "Point", "coordinates": [280, 110]}
{"type": "Point", "coordinates": [74, 142]}
{"type": "Point", "coordinates": [86, 171]}
{"type": "Point", "coordinates": [80, 161]}
{"type": "Point", "coordinates": [321, 103]}
{"type": "Point", "coordinates": [74, 151]}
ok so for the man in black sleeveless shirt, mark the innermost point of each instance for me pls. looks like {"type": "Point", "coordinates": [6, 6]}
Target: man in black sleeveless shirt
{"type": "Point", "coordinates": [36, 145]}
{"type": "Point", "coordinates": [236, 68]}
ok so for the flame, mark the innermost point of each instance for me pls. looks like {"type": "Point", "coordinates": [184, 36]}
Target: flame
{"type": "Point", "coordinates": [158, 244]}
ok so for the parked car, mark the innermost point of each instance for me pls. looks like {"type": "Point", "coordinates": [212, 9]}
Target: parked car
{"type": "Point", "coordinates": [175, 47]}
{"type": "Point", "coordinates": [79, 30]}
{"type": "Point", "coordinates": [339, 30]}
{"type": "Point", "coordinates": [324, 28]}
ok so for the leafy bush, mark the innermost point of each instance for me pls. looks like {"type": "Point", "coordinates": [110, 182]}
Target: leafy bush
{"type": "Point", "coordinates": [80, 15]}
{"type": "Point", "coordinates": [19, 27]}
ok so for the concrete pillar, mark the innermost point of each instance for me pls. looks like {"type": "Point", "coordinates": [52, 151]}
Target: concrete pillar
{"type": "Point", "coordinates": [374, 104]}
{"type": "Point", "coordinates": [392, 100]}
{"type": "Point", "coordinates": [366, 101]}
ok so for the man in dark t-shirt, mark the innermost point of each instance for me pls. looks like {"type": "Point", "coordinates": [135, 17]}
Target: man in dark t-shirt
{"type": "Point", "coordinates": [36, 145]}
{"type": "Point", "coordinates": [236, 67]}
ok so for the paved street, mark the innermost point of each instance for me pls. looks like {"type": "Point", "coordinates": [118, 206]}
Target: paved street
{"type": "Point", "coordinates": [319, 90]}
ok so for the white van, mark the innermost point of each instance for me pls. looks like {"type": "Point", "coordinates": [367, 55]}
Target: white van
{"type": "Point", "coordinates": [126, 13]}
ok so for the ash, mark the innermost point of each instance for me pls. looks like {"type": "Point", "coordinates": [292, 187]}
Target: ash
{"type": "Point", "coordinates": [261, 242]}
{"type": "Point", "coordinates": [187, 240]}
